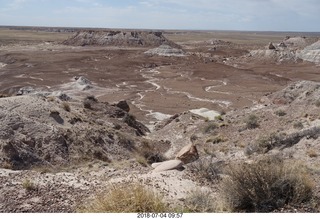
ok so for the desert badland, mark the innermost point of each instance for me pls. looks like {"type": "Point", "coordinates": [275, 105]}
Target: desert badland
{"type": "Point", "coordinates": [208, 121]}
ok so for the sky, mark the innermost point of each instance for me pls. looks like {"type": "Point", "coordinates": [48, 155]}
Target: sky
{"type": "Point", "coordinates": [252, 15]}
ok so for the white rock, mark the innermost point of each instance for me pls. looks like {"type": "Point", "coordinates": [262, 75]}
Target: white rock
{"type": "Point", "coordinates": [168, 165]}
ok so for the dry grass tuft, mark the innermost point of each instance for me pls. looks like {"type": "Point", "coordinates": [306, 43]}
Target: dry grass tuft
{"type": "Point", "coordinates": [312, 153]}
{"type": "Point", "coordinates": [210, 127]}
{"type": "Point", "coordinates": [66, 106]}
{"type": "Point", "coordinates": [28, 185]}
{"type": "Point", "coordinates": [199, 202]}
{"type": "Point", "coordinates": [265, 186]}
{"type": "Point", "coordinates": [126, 198]}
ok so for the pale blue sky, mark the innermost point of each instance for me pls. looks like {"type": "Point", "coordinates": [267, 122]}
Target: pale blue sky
{"type": "Point", "coordinates": [261, 15]}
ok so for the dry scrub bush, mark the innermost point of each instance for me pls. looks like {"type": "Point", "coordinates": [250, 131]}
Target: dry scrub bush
{"type": "Point", "coordinates": [66, 106]}
{"type": "Point", "coordinates": [280, 113]}
{"type": "Point", "coordinates": [149, 153]}
{"type": "Point", "coordinates": [210, 127]}
{"type": "Point", "coordinates": [252, 122]}
{"type": "Point", "coordinates": [199, 201]}
{"type": "Point", "coordinates": [207, 169]}
{"type": "Point", "coordinates": [265, 186]}
{"type": "Point", "coordinates": [28, 185]}
{"type": "Point", "coordinates": [312, 153]}
{"type": "Point", "coordinates": [126, 198]}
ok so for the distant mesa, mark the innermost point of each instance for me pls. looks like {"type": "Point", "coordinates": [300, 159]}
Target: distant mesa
{"type": "Point", "coordinates": [118, 38]}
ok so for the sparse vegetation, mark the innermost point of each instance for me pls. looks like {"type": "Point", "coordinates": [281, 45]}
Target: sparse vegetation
{"type": "Point", "coordinates": [252, 122]}
{"type": "Point", "coordinates": [210, 127]}
{"type": "Point", "coordinates": [218, 118]}
{"type": "Point", "coordinates": [87, 104]}
{"type": "Point", "coordinates": [126, 198]}
{"type": "Point", "coordinates": [298, 125]}
{"type": "Point", "coordinates": [6, 165]}
{"type": "Point", "coordinates": [216, 139]}
{"type": "Point", "coordinates": [312, 153]}
{"type": "Point", "coordinates": [267, 142]}
{"type": "Point", "coordinates": [92, 98]}
{"type": "Point", "coordinates": [149, 154]}
{"type": "Point", "coordinates": [142, 160]}
{"type": "Point", "coordinates": [264, 186]}
{"type": "Point", "coordinates": [206, 169]}
{"type": "Point", "coordinates": [3, 95]}
{"type": "Point", "coordinates": [66, 106]}
{"type": "Point", "coordinates": [28, 185]}
{"type": "Point", "coordinates": [199, 201]}
{"type": "Point", "coordinates": [51, 98]}
{"type": "Point", "coordinates": [280, 113]}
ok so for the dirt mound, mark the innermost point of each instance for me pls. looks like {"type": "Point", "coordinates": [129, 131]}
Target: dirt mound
{"type": "Point", "coordinates": [37, 130]}
{"type": "Point", "coordinates": [301, 93]}
{"type": "Point", "coordinates": [295, 42]}
{"type": "Point", "coordinates": [273, 55]}
{"type": "Point", "coordinates": [311, 53]}
{"type": "Point", "coordinates": [118, 38]}
{"type": "Point", "coordinates": [217, 42]}
{"type": "Point", "coordinates": [166, 50]}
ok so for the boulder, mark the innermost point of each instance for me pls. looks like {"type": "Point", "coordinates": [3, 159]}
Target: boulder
{"type": "Point", "coordinates": [167, 165]}
{"type": "Point", "coordinates": [123, 105]}
{"type": "Point", "coordinates": [282, 45]}
{"type": "Point", "coordinates": [138, 126]}
{"type": "Point", "coordinates": [25, 90]}
{"type": "Point", "coordinates": [188, 154]}
{"type": "Point", "coordinates": [154, 165]}
{"type": "Point", "coordinates": [271, 46]}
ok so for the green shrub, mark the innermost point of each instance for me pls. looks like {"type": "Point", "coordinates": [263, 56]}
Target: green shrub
{"type": "Point", "coordinates": [265, 186]}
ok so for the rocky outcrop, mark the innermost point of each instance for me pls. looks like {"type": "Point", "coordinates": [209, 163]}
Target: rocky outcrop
{"type": "Point", "coordinates": [300, 92]}
{"type": "Point", "coordinates": [123, 105]}
{"type": "Point", "coordinates": [166, 50]}
{"type": "Point", "coordinates": [271, 46]}
{"type": "Point", "coordinates": [188, 154]}
{"type": "Point", "coordinates": [36, 130]}
{"type": "Point", "coordinates": [118, 38]}
{"type": "Point", "coordinates": [311, 53]}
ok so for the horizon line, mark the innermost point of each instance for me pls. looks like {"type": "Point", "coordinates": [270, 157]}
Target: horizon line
{"type": "Point", "coordinates": [157, 29]}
